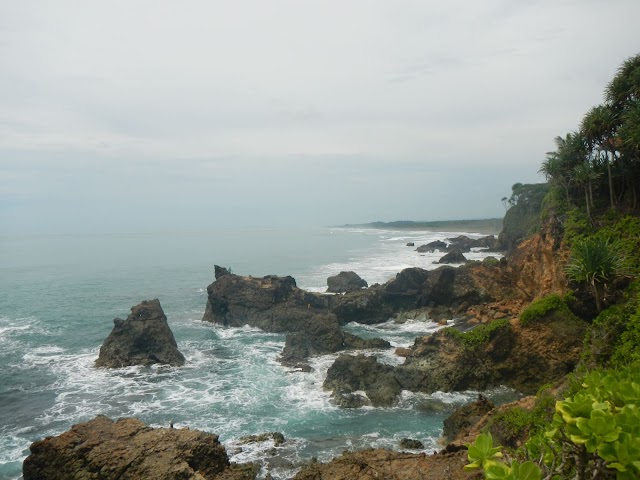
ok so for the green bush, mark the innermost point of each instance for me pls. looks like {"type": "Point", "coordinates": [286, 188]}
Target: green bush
{"type": "Point", "coordinates": [479, 336]}
{"type": "Point", "coordinates": [513, 426]}
{"type": "Point", "coordinates": [540, 308]}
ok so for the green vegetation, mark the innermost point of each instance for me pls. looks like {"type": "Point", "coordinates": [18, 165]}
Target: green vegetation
{"type": "Point", "coordinates": [479, 336]}
{"type": "Point", "coordinates": [488, 225]}
{"type": "Point", "coordinates": [595, 433]}
{"type": "Point", "coordinates": [596, 261]}
{"type": "Point", "coordinates": [539, 309]}
{"type": "Point", "coordinates": [523, 216]}
{"type": "Point", "coordinates": [593, 178]}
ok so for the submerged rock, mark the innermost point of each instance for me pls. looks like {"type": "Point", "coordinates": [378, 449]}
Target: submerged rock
{"type": "Point", "coordinates": [144, 338]}
{"type": "Point", "coordinates": [345, 282]}
{"type": "Point", "coordinates": [128, 449]}
{"type": "Point", "coordinates": [411, 444]}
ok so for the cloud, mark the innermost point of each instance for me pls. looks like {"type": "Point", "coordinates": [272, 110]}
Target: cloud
{"type": "Point", "coordinates": [294, 96]}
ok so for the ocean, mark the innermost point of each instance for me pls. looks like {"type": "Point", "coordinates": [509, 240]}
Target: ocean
{"type": "Point", "coordinates": [60, 293]}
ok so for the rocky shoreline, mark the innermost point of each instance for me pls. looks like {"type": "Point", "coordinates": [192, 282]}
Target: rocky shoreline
{"type": "Point", "coordinates": [485, 295]}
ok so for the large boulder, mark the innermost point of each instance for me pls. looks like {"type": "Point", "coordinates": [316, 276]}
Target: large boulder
{"type": "Point", "coordinates": [144, 338]}
{"type": "Point", "coordinates": [128, 449]}
{"type": "Point", "coordinates": [351, 373]}
{"type": "Point", "coordinates": [454, 256]}
{"type": "Point", "coordinates": [345, 282]}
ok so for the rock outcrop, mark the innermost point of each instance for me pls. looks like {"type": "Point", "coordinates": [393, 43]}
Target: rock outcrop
{"type": "Point", "coordinates": [466, 417]}
{"type": "Point", "coordinates": [351, 373]}
{"type": "Point", "coordinates": [128, 449]}
{"type": "Point", "coordinates": [345, 282]}
{"type": "Point", "coordinates": [432, 247]}
{"type": "Point", "coordinates": [144, 338]}
{"type": "Point", "coordinates": [454, 256]}
{"type": "Point", "coordinates": [385, 464]}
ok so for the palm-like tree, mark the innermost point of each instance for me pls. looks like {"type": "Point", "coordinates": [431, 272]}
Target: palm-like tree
{"type": "Point", "coordinates": [599, 128]}
{"type": "Point", "coordinates": [596, 261]}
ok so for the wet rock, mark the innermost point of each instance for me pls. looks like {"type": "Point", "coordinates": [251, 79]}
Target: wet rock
{"type": "Point", "coordinates": [128, 449]}
{"type": "Point", "coordinates": [353, 342]}
{"type": "Point", "coordinates": [345, 282]}
{"type": "Point", "coordinates": [432, 247]}
{"type": "Point", "coordinates": [433, 406]}
{"type": "Point", "coordinates": [454, 256]}
{"type": "Point", "coordinates": [411, 444]}
{"type": "Point", "coordinates": [350, 400]}
{"type": "Point", "coordinates": [465, 417]}
{"type": "Point", "coordinates": [144, 338]}
{"type": "Point", "coordinates": [349, 374]}
{"type": "Point", "coordinates": [277, 438]}
{"type": "Point", "coordinates": [411, 244]}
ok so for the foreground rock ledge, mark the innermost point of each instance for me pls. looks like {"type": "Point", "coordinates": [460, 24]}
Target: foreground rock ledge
{"type": "Point", "coordinates": [144, 338]}
{"type": "Point", "coordinates": [128, 449]}
{"type": "Point", "coordinates": [388, 465]}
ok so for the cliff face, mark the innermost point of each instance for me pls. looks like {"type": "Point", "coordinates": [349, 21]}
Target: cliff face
{"type": "Point", "coordinates": [536, 266]}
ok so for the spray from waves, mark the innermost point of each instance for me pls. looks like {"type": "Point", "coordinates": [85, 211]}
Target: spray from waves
{"type": "Point", "coordinates": [388, 256]}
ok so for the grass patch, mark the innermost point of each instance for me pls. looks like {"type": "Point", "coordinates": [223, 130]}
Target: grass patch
{"type": "Point", "coordinates": [478, 336]}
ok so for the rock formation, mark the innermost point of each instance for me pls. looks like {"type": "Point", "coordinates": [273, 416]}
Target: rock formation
{"type": "Point", "coordinates": [385, 464]}
{"type": "Point", "coordinates": [350, 373]}
{"type": "Point", "coordinates": [432, 247]}
{"type": "Point", "coordinates": [454, 256]}
{"type": "Point", "coordinates": [465, 417]}
{"type": "Point", "coordinates": [144, 338]}
{"type": "Point", "coordinates": [127, 450]}
{"type": "Point", "coordinates": [345, 282]}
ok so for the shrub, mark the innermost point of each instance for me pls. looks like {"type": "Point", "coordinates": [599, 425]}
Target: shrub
{"type": "Point", "coordinates": [479, 336]}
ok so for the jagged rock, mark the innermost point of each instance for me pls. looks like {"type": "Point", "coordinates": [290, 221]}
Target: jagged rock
{"type": "Point", "coordinates": [465, 244]}
{"type": "Point", "coordinates": [454, 256]}
{"type": "Point", "coordinates": [385, 464]}
{"type": "Point", "coordinates": [411, 244]}
{"type": "Point", "coordinates": [144, 338]}
{"type": "Point", "coordinates": [432, 247]}
{"type": "Point", "coordinates": [368, 306]}
{"type": "Point", "coordinates": [323, 335]}
{"type": "Point", "coordinates": [345, 282]}
{"type": "Point", "coordinates": [221, 271]}
{"type": "Point", "coordinates": [277, 438]}
{"type": "Point", "coordinates": [466, 416]}
{"type": "Point", "coordinates": [411, 444]}
{"type": "Point", "coordinates": [127, 449]}
{"type": "Point", "coordinates": [432, 406]}
{"type": "Point", "coordinates": [349, 374]}
{"type": "Point", "coordinates": [274, 304]}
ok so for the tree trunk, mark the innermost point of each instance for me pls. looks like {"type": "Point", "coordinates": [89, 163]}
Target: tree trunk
{"type": "Point", "coordinates": [586, 197]}
{"type": "Point", "coordinates": [611, 194]}
{"type": "Point", "coordinates": [597, 291]}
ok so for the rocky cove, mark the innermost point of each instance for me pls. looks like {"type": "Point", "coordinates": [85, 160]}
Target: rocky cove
{"type": "Point", "coordinates": [484, 295]}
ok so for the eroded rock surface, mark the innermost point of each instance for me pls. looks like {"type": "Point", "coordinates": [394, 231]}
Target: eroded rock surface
{"type": "Point", "coordinates": [128, 449]}
{"type": "Point", "coordinates": [144, 338]}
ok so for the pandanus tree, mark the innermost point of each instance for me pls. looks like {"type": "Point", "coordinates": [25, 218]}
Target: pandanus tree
{"type": "Point", "coordinates": [599, 128]}
{"type": "Point", "coordinates": [597, 262]}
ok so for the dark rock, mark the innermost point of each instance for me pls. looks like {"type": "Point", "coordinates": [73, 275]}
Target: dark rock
{"type": "Point", "coordinates": [465, 417]}
{"type": "Point", "coordinates": [368, 306]}
{"type": "Point", "coordinates": [221, 271]}
{"type": "Point", "coordinates": [432, 247]}
{"type": "Point", "coordinates": [350, 400]}
{"type": "Point", "coordinates": [127, 449]}
{"type": "Point", "coordinates": [352, 373]}
{"type": "Point", "coordinates": [322, 335]}
{"type": "Point", "coordinates": [277, 438]}
{"type": "Point", "coordinates": [454, 256]}
{"type": "Point", "coordinates": [345, 282]}
{"type": "Point", "coordinates": [353, 342]}
{"type": "Point", "coordinates": [411, 244]}
{"type": "Point", "coordinates": [411, 444]}
{"type": "Point", "coordinates": [144, 338]}
{"type": "Point", "coordinates": [274, 304]}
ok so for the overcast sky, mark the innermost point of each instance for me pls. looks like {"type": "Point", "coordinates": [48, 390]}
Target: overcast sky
{"type": "Point", "coordinates": [142, 115]}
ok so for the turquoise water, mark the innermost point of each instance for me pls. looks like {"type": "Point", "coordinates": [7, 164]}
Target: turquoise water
{"type": "Point", "coordinates": [59, 295]}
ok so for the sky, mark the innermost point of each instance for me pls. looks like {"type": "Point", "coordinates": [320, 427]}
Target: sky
{"type": "Point", "coordinates": [134, 115]}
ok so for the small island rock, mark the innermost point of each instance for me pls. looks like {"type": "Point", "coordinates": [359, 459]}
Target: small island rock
{"type": "Point", "coordinates": [454, 256]}
{"type": "Point", "coordinates": [144, 338]}
{"type": "Point", "coordinates": [345, 282]}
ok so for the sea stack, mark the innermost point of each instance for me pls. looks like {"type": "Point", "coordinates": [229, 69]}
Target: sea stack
{"type": "Point", "coordinates": [144, 338]}
{"type": "Point", "coordinates": [345, 282]}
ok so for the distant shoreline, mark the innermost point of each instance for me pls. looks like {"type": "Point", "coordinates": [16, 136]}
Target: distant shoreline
{"type": "Point", "coordinates": [487, 225]}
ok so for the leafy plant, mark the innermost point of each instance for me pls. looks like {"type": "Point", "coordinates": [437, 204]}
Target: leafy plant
{"type": "Point", "coordinates": [596, 261]}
